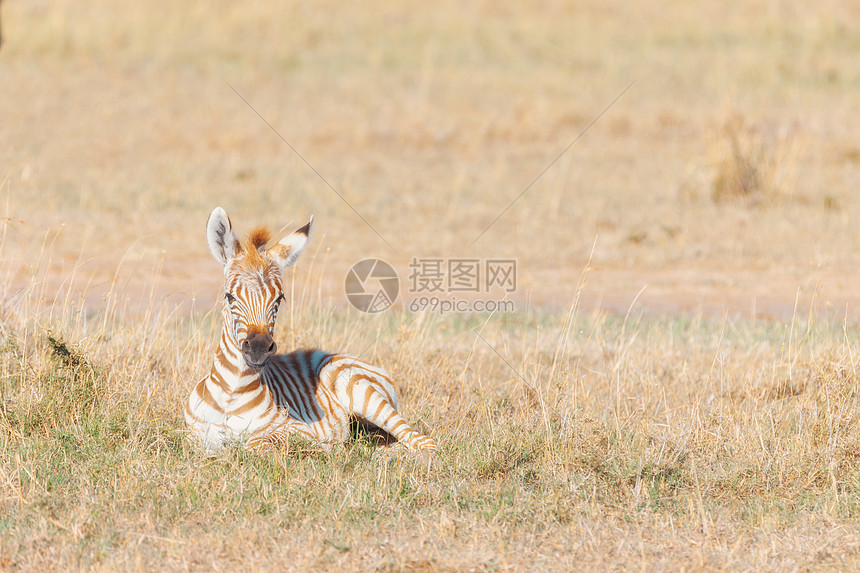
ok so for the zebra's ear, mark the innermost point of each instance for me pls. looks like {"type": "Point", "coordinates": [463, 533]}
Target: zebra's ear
{"type": "Point", "coordinates": [220, 236]}
{"type": "Point", "coordinates": [290, 247]}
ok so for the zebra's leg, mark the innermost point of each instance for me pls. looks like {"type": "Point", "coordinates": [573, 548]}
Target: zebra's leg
{"type": "Point", "coordinates": [371, 398]}
{"type": "Point", "coordinates": [271, 438]}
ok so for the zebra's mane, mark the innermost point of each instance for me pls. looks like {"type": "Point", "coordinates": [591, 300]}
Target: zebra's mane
{"type": "Point", "coordinates": [255, 244]}
{"type": "Point", "coordinates": [258, 238]}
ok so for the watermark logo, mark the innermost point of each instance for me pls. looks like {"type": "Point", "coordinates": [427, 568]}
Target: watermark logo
{"type": "Point", "coordinates": [437, 285]}
{"type": "Point", "coordinates": [372, 285]}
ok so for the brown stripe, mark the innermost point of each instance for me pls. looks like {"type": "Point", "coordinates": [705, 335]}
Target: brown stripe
{"type": "Point", "coordinates": [382, 404]}
{"type": "Point", "coordinates": [338, 370]}
{"type": "Point", "coordinates": [249, 405]}
{"type": "Point", "coordinates": [269, 407]}
{"type": "Point", "coordinates": [227, 347]}
{"type": "Point", "coordinates": [249, 387]}
{"type": "Point", "coordinates": [254, 443]}
{"type": "Point", "coordinates": [383, 390]}
{"type": "Point", "coordinates": [217, 379]}
{"type": "Point", "coordinates": [307, 432]}
{"type": "Point", "coordinates": [226, 364]}
{"type": "Point", "coordinates": [207, 398]}
{"type": "Point", "coordinates": [327, 402]}
{"type": "Point", "coordinates": [188, 412]}
{"type": "Point", "coordinates": [380, 375]}
{"type": "Point", "coordinates": [356, 377]}
{"type": "Point", "coordinates": [368, 393]}
{"type": "Point", "coordinates": [350, 388]}
{"type": "Point", "coordinates": [393, 429]}
{"type": "Point", "coordinates": [338, 357]}
{"type": "Point", "coordinates": [373, 378]}
{"type": "Point", "coordinates": [369, 369]}
{"type": "Point", "coordinates": [386, 421]}
{"type": "Point", "coordinates": [260, 433]}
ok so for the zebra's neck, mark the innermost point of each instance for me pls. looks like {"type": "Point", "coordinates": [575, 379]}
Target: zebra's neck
{"type": "Point", "coordinates": [229, 369]}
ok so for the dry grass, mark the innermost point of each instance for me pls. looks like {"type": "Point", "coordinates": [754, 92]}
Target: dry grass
{"type": "Point", "coordinates": [663, 443]}
{"type": "Point", "coordinates": [755, 164]}
{"type": "Point", "coordinates": [666, 439]}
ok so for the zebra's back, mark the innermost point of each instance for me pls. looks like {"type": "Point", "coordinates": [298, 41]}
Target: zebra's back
{"type": "Point", "coordinates": [322, 392]}
{"type": "Point", "coordinates": [298, 390]}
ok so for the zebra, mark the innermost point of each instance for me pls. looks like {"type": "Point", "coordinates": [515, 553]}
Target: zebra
{"type": "Point", "coordinates": [255, 396]}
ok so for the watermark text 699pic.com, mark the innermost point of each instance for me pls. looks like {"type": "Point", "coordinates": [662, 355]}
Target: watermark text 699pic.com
{"type": "Point", "coordinates": [449, 305]}
{"type": "Point", "coordinates": [443, 285]}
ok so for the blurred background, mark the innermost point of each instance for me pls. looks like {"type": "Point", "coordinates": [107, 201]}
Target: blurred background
{"type": "Point", "coordinates": [724, 180]}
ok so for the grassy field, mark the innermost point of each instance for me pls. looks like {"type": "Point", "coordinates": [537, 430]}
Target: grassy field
{"type": "Point", "coordinates": [677, 388]}
{"type": "Point", "coordinates": [664, 443]}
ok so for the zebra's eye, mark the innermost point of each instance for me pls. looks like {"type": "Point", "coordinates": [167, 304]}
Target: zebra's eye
{"type": "Point", "coordinates": [230, 298]}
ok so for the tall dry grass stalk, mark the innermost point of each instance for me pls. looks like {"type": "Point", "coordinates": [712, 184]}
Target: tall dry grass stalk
{"type": "Point", "coordinates": [754, 162]}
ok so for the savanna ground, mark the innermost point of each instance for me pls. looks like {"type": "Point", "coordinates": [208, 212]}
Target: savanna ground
{"type": "Point", "coordinates": [677, 388]}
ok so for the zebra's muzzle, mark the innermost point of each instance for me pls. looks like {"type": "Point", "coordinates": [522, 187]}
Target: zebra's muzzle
{"type": "Point", "coordinates": [257, 348]}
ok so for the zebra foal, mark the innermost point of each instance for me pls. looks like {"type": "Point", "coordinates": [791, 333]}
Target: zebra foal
{"type": "Point", "coordinates": [254, 395]}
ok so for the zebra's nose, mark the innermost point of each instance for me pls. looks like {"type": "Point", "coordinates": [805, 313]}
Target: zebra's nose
{"type": "Point", "coordinates": [257, 348]}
